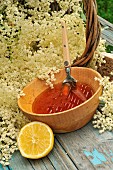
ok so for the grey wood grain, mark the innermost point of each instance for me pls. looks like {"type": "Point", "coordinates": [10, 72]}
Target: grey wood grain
{"type": "Point", "coordinates": [60, 159]}
{"type": "Point", "coordinates": [105, 23]}
{"type": "Point", "coordinates": [88, 149]}
{"type": "Point", "coordinates": [108, 36]}
{"type": "Point", "coordinates": [19, 163]}
{"type": "Point", "coordinates": [42, 164]}
{"type": "Point", "coordinates": [107, 32]}
{"type": "Point", "coordinates": [72, 144]}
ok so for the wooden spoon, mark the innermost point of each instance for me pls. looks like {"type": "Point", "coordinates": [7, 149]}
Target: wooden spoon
{"type": "Point", "coordinates": [69, 82]}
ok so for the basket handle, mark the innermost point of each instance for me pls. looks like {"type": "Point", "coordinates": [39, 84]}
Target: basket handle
{"type": "Point", "coordinates": [92, 32]}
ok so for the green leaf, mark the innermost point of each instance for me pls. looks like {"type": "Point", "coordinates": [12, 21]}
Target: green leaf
{"type": "Point", "coordinates": [83, 16]}
{"type": "Point", "coordinates": [109, 48]}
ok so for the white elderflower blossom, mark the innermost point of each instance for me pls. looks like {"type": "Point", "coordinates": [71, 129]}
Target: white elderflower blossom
{"type": "Point", "coordinates": [103, 119]}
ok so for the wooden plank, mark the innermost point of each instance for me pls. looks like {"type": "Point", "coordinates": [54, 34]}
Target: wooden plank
{"type": "Point", "coordinates": [42, 164]}
{"type": "Point", "coordinates": [107, 32]}
{"type": "Point", "coordinates": [72, 144]}
{"type": "Point", "coordinates": [89, 149]}
{"type": "Point", "coordinates": [105, 23]}
{"type": "Point", "coordinates": [19, 163]}
{"type": "Point", "coordinates": [108, 36]}
{"type": "Point", "coordinates": [60, 159]}
{"type": "Point", "coordinates": [108, 42]}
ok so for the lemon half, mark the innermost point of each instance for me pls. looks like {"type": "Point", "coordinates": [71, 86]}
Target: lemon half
{"type": "Point", "coordinates": [35, 140]}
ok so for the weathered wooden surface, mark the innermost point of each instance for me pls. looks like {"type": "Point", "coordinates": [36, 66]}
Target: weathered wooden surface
{"type": "Point", "coordinates": [88, 149]}
{"type": "Point", "coordinates": [107, 31]}
{"type": "Point", "coordinates": [81, 149]}
{"type": "Point", "coordinates": [84, 149]}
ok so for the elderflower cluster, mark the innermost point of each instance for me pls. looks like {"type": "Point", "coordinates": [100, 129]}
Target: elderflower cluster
{"type": "Point", "coordinates": [98, 57]}
{"type": "Point", "coordinates": [31, 46]}
{"type": "Point", "coordinates": [103, 119]}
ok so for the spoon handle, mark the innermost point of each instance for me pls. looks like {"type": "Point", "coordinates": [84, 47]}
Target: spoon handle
{"type": "Point", "coordinates": [65, 45]}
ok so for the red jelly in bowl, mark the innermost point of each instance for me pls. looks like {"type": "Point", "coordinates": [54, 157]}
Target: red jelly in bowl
{"type": "Point", "coordinates": [53, 100]}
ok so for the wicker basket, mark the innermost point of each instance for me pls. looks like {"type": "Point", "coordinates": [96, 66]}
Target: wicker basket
{"type": "Point", "coordinates": [92, 30]}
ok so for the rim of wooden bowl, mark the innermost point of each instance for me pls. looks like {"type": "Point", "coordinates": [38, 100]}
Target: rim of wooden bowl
{"type": "Point", "coordinates": [74, 108]}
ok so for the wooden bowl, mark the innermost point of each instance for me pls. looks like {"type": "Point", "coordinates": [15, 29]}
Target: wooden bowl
{"type": "Point", "coordinates": [68, 120]}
